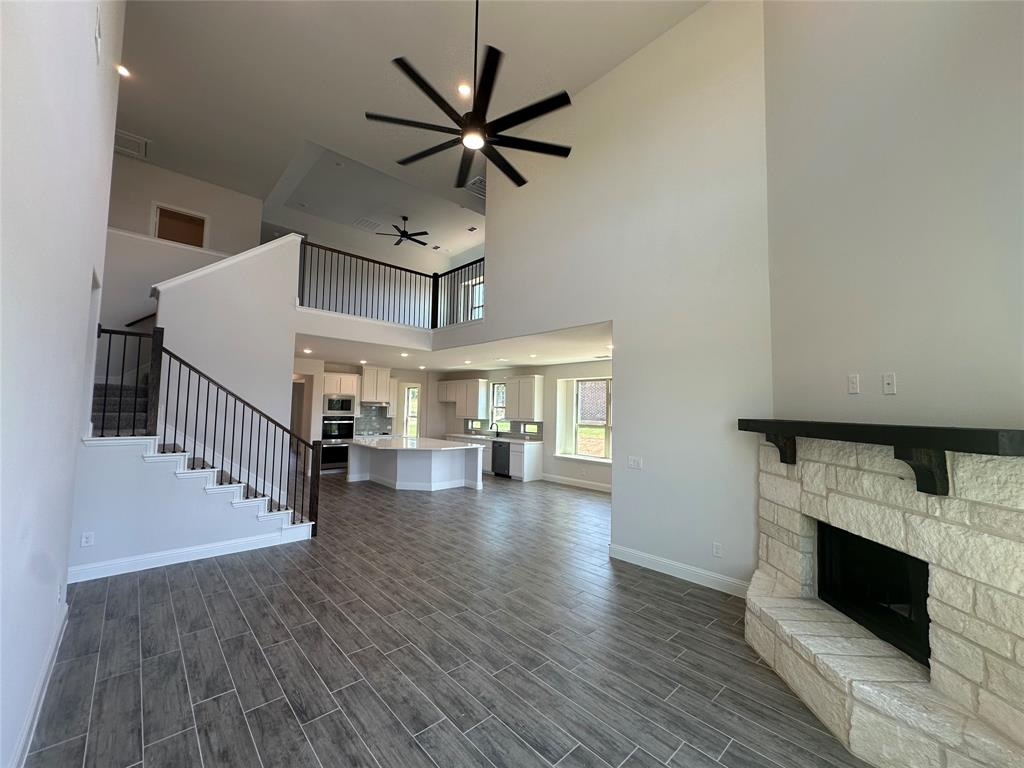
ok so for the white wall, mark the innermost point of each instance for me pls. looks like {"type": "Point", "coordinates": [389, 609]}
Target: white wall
{"type": "Point", "coordinates": [896, 159]}
{"type": "Point", "coordinates": [58, 112]}
{"type": "Point", "coordinates": [134, 264]}
{"type": "Point", "coordinates": [232, 219]}
{"type": "Point", "coordinates": [665, 194]}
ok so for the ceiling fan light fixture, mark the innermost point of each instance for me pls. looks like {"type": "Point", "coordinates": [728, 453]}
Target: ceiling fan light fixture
{"type": "Point", "coordinates": [472, 140]}
{"type": "Point", "coordinates": [464, 90]}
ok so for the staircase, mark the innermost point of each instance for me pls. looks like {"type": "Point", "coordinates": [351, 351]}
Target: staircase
{"type": "Point", "coordinates": [146, 396]}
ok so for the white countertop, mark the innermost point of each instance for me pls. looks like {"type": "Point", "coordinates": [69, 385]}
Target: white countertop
{"type": "Point", "coordinates": [491, 438]}
{"type": "Point", "coordinates": [398, 443]}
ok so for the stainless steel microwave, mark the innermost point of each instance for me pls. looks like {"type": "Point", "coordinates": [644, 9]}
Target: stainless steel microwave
{"type": "Point", "coordinates": [339, 405]}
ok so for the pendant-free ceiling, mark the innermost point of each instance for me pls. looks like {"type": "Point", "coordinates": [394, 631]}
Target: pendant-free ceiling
{"type": "Point", "coordinates": [472, 130]}
{"type": "Point", "coordinates": [404, 234]}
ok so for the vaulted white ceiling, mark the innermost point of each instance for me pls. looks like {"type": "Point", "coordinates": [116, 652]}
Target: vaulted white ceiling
{"type": "Point", "coordinates": [229, 92]}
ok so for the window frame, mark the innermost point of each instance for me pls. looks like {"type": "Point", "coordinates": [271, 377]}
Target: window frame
{"type": "Point", "coordinates": [569, 409]}
{"type": "Point", "coordinates": [405, 409]}
{"type": "Point", "coordinates": [504, 408]}
{"type": "Point", "coordinates": [154, 222]}
{"type": "Point", "coordinates": [467, 299]}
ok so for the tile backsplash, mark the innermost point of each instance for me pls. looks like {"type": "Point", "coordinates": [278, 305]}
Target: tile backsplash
{"type": "Point", "coordinates": [519, 429]}
{"type": "Point", "coordinates": [373, 420]}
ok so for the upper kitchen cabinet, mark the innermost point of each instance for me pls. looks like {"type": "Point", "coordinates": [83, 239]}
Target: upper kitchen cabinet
{"type": "Point", "coordinates": [469, 396]}
{"type": "Point", "coordinates": [524, 398]}
{"type": "Point", "coordinates": [392, 398]}
{"type": "Point", "coordinates": [341, 384]}
{"type": "Point", "coordinates": [376, 385]}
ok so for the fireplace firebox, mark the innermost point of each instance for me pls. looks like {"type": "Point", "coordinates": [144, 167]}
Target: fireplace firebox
{"type": "Point", "coordinates": [883, 590]}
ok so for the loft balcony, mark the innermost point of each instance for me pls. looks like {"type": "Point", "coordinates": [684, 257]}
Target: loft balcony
{"type": "Point", "coordinates": [336, 281]}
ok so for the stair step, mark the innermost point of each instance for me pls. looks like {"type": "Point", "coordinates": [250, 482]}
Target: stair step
{"type": "Point", "coordinates": [119, 421]}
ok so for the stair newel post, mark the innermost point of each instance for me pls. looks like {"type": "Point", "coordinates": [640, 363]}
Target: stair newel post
{"type": "Point", "coordinates": [314, 485]}
{"type": "Point", "coordinates": [302, 273]}
{"type": "Point", "coordinates": [156, 364]}
{"type": "Point", "coordinates": [435, 294]}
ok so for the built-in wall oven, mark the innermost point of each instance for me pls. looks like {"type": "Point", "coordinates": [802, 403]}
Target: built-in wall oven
{"type": "Point", "coordinates": [339, 405]}
{"type": "Point", "coordinates": [338, 428]}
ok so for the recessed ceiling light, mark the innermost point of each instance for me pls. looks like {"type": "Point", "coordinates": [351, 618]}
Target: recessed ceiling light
{"type": "Point", "coordinates": [532, 355]}
{"type": "Point", "coordinates": [502, 359]}
{"type": "Point", "coordinates": [362, 362]}
{"type": "Point", "coordinates": [308, 351]}
{"type": "Point", "coordinates": [464, 89]}
{"type": "Point", "coordinates": [610, 346]}
{"type": "Point", "coordinates": [423, 367]}
{"type": "Point", "coordinates": [123, 71]}
{"type": "Point", "coordinates": [405, 354]}
{"type": "Point", "coordinates": [467, 362]}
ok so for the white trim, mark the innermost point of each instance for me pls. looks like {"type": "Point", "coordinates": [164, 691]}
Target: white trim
{"type": "Point", "coordinates": [28, 728]}
{"type": "Point", "coordinates": [372, 320]}
{"type": "Point", "coordinates": [120, 565]}
{"type": "Point", "coordinates": [575, 457]}
{"type": "Point", "coordinates": [222, 264]}
{"type": "Point", "coordinates": [589, 484]}
{"type": "Point", "coordinates": [692, 573]}
{"type": "Point", "coordinates": [173, 243]}
{"type": "Point", "coordinates": [154, 220]}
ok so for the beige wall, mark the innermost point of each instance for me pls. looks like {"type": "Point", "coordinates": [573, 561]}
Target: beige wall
{"type": "Point", "coordinates": [896, 190]}
{"type": "Point", "coordinates": [232, 219]}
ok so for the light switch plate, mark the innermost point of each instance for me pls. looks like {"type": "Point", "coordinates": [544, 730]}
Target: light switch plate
{"type": "Point", "coordinates": [889, 383]}
{"type": "Point", "coordinates": [716, 549]}
{"type": "Point", "coordinates": [88, 539]}
{"type": "Point", "coordinates": [853, 384]}
{"type": "Point", "coordinates": [635, 462]}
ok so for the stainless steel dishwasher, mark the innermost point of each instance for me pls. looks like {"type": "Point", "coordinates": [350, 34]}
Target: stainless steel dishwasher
{"type": "Point", "coordinates": [500, 458]}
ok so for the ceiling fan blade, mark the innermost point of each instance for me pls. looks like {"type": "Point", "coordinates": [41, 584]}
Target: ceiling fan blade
{"type": "Point", "coordinates": [399, 241]}
{"type": "Point", "coordinates": [529, 145]}
{"type": "Point", "coordinates": [432, 151]}
{"type": "Point", "coordinates": [428, 89]}
{"type": "Point", "coordinates": [417, 234]}
{"type": "Point", "coordinates": [464, 167]}
{"type": "Point", "coordinates": [397, 229]}
{"type": "Point", "coordinates": [411, 123]}
{"type": "Point", "coordinates": [386, 234]}
{"type": "Point", "coordinates": [414, 240]}
{"type": "Point", "coordinates": [485, 86]}
{"type": "Point", "coordinates": [503, 165]}
{"type": "Point", "coordinates": [531, 112]}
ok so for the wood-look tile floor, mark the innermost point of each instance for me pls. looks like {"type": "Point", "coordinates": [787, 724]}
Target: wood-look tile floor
{"type": "Point", "coordinates": [460, 628]}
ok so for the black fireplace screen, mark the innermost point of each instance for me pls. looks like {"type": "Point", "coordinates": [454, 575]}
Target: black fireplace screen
{"type": "Point", "coordinates": [883, 590]}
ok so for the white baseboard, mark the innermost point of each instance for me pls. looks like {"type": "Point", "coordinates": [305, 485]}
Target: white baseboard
{"type": "Point", "coordinates": [588, 484]}
{"type": "Point", "coordinates": [29, 726]}
{"type": "Point", "coordinates": [103, 568]}
{"type": "Point", "coordinates": [692, 573]}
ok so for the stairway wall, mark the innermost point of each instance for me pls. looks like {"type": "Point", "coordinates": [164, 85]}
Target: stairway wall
{"type": "Point", "coordinates": [143, 515]}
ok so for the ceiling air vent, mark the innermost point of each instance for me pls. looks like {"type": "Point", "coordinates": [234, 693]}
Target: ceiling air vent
{"type": "Point", "coordinates": [366, 224]}
{"type": "Point", "coordinates": [477, 186]}
{"type": "Point", "coordinates": [131, 145]}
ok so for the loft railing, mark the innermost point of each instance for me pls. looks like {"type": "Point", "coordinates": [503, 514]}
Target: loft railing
{"type": "Point", "coordinates": [337, 281]}
{"type": "Point", "coordinates": [191, 412]}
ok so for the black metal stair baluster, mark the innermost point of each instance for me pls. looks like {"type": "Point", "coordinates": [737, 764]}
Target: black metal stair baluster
{"type": "Point", "coordinates": [231, 461]}
{"type": "Point", "coordinates": [216, 412]}
{"type": "Point", "coordinates": [167, 402]}
{"type": "Point", "coordinates": [135, 392]}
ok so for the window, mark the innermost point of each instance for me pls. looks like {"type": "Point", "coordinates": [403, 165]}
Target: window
{"type": "Point", "coordinates": [498, 413]}
{"type": "Point", "coordinates": [412, 411]}
{"type": "Point", "coordinates": [179, 227]}
{"type": "Point", "coordinates": [472, 300]}
{"type": "Point", "coordinates": [584, 418]}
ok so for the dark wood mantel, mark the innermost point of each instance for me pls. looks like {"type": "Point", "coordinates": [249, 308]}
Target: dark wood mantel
{"type": "Point", "coordinates": [923, 448]}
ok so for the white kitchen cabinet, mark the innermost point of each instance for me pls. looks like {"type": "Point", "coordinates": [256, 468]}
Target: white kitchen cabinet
{"type": "Point", "coordinates": [469, 396]}
{"type": "Point", "coordinates": [392, 400]}
{"type": "Point", "coordinates": [376, 385]}
{"type": "Point", "coordinates": [341, 384]}
{"type": "Point", "coordinates": [526, 461]}
{"type": "Point", "coordinates": [487, 458]}
{"type": "Point", "coordinates": [524, 398]}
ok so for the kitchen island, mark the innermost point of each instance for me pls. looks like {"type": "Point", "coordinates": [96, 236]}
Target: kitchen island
{"type": "Point", "coordinates": [415, 463]}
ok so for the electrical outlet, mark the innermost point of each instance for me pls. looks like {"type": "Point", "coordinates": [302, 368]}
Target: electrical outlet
{"type": "Point", "coordinates": [88, 539]}
{"type": "Point", "coordinates": [889, 383]}
{"type": "Point", "coordinates": [853, 384]}
{"type": "Point", "coordinates": [635, 462]}
{"type": "Point", "coordinates": [716, 549]}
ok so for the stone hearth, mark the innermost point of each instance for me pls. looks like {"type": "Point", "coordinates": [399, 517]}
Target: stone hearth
{"type": "Point", "coordinates": [890, 711]}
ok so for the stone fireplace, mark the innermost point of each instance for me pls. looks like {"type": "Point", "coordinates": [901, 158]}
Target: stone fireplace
{"type": "Point", "coordinates": [965, 708]}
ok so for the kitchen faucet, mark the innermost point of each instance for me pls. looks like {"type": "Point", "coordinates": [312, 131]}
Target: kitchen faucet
{"type": "Point", "coordinates": [494, 426]}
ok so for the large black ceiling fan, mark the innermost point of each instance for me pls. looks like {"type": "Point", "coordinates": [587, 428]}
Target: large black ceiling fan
{"type": "Point", "coordinates": [472, 129]}
{"type": "Point", "coordinates": [404, 234]}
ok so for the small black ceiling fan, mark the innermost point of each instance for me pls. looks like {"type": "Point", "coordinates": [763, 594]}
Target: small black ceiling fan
{"type": "Point", "coordinates": [473, 130]}
{"type": "Point", "coordinates": [404, 234]}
